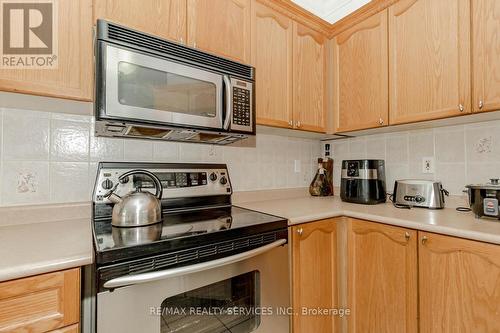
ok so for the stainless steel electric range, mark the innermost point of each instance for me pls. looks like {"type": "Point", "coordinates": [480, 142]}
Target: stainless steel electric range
{"type": "Point", "coordinates": [207, 267]}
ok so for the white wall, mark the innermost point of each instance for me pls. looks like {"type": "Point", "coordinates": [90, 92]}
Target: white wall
{"type": "Point", "coordinates": [463, 154]}
{"type": "Point", "coordinates": [50, 157]}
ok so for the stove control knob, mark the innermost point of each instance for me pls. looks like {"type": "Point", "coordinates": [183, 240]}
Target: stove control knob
{"type": "Point", "coordinates": [223, 180]}
{"type": "Point", "coordinates": [124, 180]}
{"type": "Point", "coordinates": [107, 184]}
{"type": "Point", "coordinates": [213, 176]}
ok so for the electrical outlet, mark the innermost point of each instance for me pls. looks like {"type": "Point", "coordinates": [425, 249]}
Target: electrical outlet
{"type": "Point", "coordinates": [296, 166]}
{"type": "Point", "coordinates": [427, 164]}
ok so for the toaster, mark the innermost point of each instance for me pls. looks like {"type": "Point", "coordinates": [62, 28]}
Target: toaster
{"type": "Point", "coordinates": [419, 193]}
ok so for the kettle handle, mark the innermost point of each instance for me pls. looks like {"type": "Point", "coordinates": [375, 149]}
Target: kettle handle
{"type": "Point", "coordinates": [156, 180]}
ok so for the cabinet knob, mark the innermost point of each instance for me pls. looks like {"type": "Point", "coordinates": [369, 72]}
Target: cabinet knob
{"type": "Point", "coordinates": [424, 240]}
{"type": "Point", "coordinates": [290, 123]}
{"type": "Point", "coordinates": [299, 124]}
{"type": "Point", "coordinates": [481, 104]}
{"type": "Point", "coordinates": [407, 235]}
{"type": "Point", "coordinates": [461, 107]}
{"type": "Point", "coordinates": [381, 121]}
{"type": "Point", "coordinates": [300, 231]}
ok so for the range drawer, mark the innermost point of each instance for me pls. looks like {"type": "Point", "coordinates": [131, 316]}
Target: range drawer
{"type": "Point", "coordinates": [41, 303]}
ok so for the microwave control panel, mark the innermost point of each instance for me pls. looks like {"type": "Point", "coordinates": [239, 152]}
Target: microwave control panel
{"type": "Point", "coordinates": [242, 104]}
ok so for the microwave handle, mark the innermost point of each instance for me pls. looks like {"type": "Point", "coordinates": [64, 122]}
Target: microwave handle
{"type": "Point", "coordinates": [228, 108]}
{"type": "Point", "coordinates": [170, 273]}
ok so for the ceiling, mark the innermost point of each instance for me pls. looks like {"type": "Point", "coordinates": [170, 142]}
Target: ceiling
{"type": "Point", "coordinates": [331, 10]}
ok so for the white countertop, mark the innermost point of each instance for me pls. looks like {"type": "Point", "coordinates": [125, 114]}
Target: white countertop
{"type": "Point", "coordinates": [37, 244]}
{"type": "Point", "coordinates": [446, 221]}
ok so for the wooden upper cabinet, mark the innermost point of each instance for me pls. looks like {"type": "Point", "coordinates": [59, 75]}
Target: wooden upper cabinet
{"type": "Point", "coordinates": [221, 27]}
{"type": "Point", "coordinates": [382, 278]}
{"type": "Point", "coordinates": [361, 88]}
{"type": "Point", "coordinates": [163, 18]}
{"type": "Point", "coordinates": [459, 284]}
{"type": "Point", "coordinates": [73, 77]}
{"type": "Point", "coordinates": [272, 36]}
{"type": "Point", "coordinates": [485, 55]}
{"type": "Point", "coordinates": [309, 79]}
{"type": "Point", "coordinates": [41, 303]}
{"type": "Point", "coordinates": [314, 260]}
{"type": "Point", "coordinates": [429, 59]}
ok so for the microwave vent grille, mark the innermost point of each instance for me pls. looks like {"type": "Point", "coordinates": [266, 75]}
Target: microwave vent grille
{"type": "Point", "coordinates": [116, 33]}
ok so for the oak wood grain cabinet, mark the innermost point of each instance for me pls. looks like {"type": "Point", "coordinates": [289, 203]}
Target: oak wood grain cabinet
{"type": "Point", "coordinates": [309, 79]}
{"type": "Point", "coordinates": [163, 18]}
{"type": "Point", "coordinates": [314, 251]}
{"type": "Point", "coordinates": [73, 77]}
{"type": "Point", "coordinates": [272, 36]}
{"type": "Point", "coordinates": [382, 278]}
{"type": "Point", "coordinates": [42, 303]}
{"type": "Point", "coordinates": [485, 55]}
{"type": "Point", "coordinates": [429, 60]}
{"type": "Point", "coordinates": [459, 285]}
{"type": "Point", "coordinates": [221, 27]}
{"type": "Point", "coordinates": [361, 96]}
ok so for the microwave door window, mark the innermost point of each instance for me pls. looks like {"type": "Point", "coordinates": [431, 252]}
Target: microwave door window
{"type": "Point", "coordinates": [178, 95]}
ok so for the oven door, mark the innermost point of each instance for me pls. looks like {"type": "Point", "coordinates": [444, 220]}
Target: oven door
{"type": "Point", "coordinates": [139, 87]}
{"type": "Point", "coordinates": [239, 297]}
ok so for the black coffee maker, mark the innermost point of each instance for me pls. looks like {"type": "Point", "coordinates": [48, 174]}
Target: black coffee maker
{"type": "Point", "coordinates": [363, 181]}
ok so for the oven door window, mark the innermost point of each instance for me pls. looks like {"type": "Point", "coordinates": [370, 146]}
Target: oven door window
{"type": "Point", "coordinates": [149, 88]}
{"type": "Point", "coordinates": [229, 306]}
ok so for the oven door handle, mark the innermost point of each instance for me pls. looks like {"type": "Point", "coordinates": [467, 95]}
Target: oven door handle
{"type": "Point", "coordinates": [170, 273]}
{"type": "Point", "coordinates": [229, 108]}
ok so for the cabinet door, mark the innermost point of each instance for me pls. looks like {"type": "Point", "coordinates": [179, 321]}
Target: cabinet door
{"type": "Point", "coordinates": [459, 285]}
{"type": "Point", "coordinates": [485, 55]}
{"type": "Point", "coordinates": [314, 250]}
{"type": "Point", "coordinates": [272, 36]}
{"type": "Point", "coordinates": [429, 59]}
{"type": "Point", "coordinates": [73, 77]}
{"type": "Point", "coordinates": [40, 303]}
{"type": "Point", "coordinates": [382, 278]}
{"type": "Point", "coordinates": [163, 18]}
{"type": "Point", "coordinates": [361, 73]}
{"type": "Point", "coordinates": [309, 80]}
{"type": "Point", "coordinates": [221, 27]}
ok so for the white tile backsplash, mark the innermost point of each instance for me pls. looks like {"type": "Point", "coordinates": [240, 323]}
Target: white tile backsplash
{"type": "Point", "coordinates": [50, 157]}
{"type": "Point", "coordinates": [462, 154]}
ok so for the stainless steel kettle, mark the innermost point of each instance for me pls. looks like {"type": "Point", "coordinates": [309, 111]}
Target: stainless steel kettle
{"type": "Point", "coordinates": [136, 208]}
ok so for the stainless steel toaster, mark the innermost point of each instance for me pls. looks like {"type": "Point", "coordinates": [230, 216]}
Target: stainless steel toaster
{"type": "Point", "coordinates": [419, 193]}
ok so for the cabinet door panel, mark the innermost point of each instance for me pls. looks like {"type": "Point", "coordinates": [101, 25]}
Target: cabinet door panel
{"type": "Point", "coordinates": [272, 35]}
{"type": "Point", "coordinates": [163, 18]}
{"type": "Point", "coordinates": [309, 80]}
{"type": "Point", "coordinates": [459, 284]}
{"type": "Point", "coordinates": [73, 78]}
{"type": "Point", "coordinates": [486, 55]}
{"type": "Point", "coordinates": [382, 278]}
{"type": "Point", "coordinates": [361, 96]}
{"type": "Point", "coordinates": [314, 250]}
{"type": "Point", "coordinates": [221, 27]}
{"type": "Point", "coordinates": [429, 59]}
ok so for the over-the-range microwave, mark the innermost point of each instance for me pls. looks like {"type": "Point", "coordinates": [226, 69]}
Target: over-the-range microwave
{"type": "Point", "coordinates": [148, 87]}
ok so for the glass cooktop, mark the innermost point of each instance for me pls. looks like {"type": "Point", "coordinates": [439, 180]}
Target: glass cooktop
{"type": "Point", "coordinates": [180, 230]}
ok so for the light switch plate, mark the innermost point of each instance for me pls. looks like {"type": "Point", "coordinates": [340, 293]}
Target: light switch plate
{"type": "Point", "coordinates": [296, 166]}
{"type": "Point", "coordinates": [427, 164]}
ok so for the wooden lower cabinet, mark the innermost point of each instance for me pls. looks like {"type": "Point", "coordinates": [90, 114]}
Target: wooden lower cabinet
{"type": "Point", "coordinates": [381, 278]}
{"type": "Point", "coordinates": [459, 285]}
{"type": "Point", "coordinates": [314, 251]}
{"type": "Point", "coordinates": [42, 303]}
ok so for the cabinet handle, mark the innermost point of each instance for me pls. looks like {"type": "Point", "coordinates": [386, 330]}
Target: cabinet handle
{"type": "Point", "coordinates": [300, 231]}
{"type": "Point", "coordinates": [481, 104]}
{"type": "Point", "coordinates": [407, 235]}
{"type": "Point", "coordinates": [424, 240]}
{"type": "Point", "coordinates": [290, 123]}
{"type": "Point", "coordinates": [461, 107]}
{"type": "Point", "coordinates": [381, 121]}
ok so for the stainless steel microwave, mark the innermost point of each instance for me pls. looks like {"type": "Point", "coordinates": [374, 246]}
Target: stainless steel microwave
{"type": "Point", "coordinates": [148, 87]}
